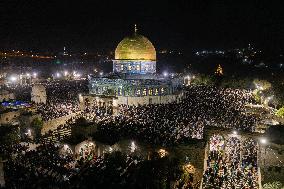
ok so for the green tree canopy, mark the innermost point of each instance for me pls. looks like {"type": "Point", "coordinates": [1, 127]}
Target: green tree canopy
{"type": "Point", "coordinates": [9, 134]}
{"type": "Point", "coordinates": [36, 125]}
{"type": "Point", "coordinates": [280, 112]}
{"type": "Point", "coordinates": [262, 84]}
{"type": "Point", "coordinates": [273, 185]}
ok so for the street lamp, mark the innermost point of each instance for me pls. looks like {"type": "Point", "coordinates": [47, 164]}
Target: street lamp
{"type": "Point", "coordinates": [35, 74]}
{"type": "Point", "coordinates": [57, 74]}
{"type": "Point", "coordinates": [263, 141]}
{"type": "Point", "coordinates": [13, 78]}
{"type": "Point", "coordinates": [165, 74]}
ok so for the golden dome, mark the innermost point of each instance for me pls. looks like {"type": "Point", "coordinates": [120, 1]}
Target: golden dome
{"type": "Point", "coordinates": [135, 47]}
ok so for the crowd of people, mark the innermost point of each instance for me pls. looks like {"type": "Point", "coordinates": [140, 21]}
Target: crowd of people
{"type": "Point", "coordinates": [45, 166]}
{"type": "Point", "coordinates": [52, 110]}
{"type": "Point", "coordinates": [92, 112]}
{"type": "Point", "coordinates": [21, 92]}
{"type": "Point", "coordinates": [231, 163]}
{"type": "Point", "coordinates": [173, 123]}
{"type": "Point", "coordinates": [41, 166]}
{"type": "Point", "coordinates": [62, 99]}
{"type": "Point", "coordinates": [164, 124]}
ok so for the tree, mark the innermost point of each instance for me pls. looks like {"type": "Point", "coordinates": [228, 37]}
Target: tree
{"type": "Point", "coordinates": [278, 88]}
{"type": "Point", "coordinates": [36, 125]}
{"type": "Point", "coordinates": [273, 185]}
{"type": "Point", "coordinates": [276, 134]}
{"type": "Point", "coordinates": [262, 84]}
{"type": "Point", "coordinates": [280, 112]}
{"type": "Point", "coordinates": [203, 80]}
{"type": "Point", "coordinates": [9, 134]}
{"type": "Point", "coordinates": [236, 83]}
{"type": "Point", "coordinates": [81, 130]}
{"type": "Point", "coordinates": [81, 121]}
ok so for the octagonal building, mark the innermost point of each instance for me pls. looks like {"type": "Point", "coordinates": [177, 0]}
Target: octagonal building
{"type": "Point", "coordinates": [135, 54]}
{"type": "Point", "coordinates": [134, 79]}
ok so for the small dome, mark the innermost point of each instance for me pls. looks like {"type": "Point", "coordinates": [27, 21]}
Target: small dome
{"type": "Point", "coordinates": [135, 47]}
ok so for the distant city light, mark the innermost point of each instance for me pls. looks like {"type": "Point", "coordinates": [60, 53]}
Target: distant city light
{"type": "Point", "coordinates": [101, 73]}
{"type": "Point", "coordinates": [28, 74]}
{"type": "Point", "coordinates": [35, 74]}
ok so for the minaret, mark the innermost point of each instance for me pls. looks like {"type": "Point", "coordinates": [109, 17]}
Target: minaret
{"type": "Point", "coordinates": [64, 51]}
{"type": "Point", "coordinates": [135, 29]}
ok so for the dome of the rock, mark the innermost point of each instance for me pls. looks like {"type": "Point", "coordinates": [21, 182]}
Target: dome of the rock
{"type": "Point", "coordinates": [135, 47]}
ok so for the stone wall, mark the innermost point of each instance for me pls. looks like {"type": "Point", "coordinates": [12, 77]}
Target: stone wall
{"type": "Point", "coordinates": [54, 123]}
{"type": "Point", "coordinates": [9, 117]}
{"type": "Point", "coordinates": [38, 94]}
{"type": "Point", "coordinates": [271, 163]}
{"type": "Point", "coordinates": [145, 100]}
{"type": "Point", "coordinates": [6, 96]}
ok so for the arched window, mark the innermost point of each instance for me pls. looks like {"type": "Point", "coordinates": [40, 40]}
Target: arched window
{"type": "Point", "coordinates": [119, 91]}
{"type": "Point", "coordinates": [144, 92]}
{"type": "Point", "coordinates": [138, 92]}
{"type": "Point", "coordinates": [138, 67]}
{"type": "Point", "coordinates": [156, 91]}
{"type": "Point", "coordinates": [150, 92]}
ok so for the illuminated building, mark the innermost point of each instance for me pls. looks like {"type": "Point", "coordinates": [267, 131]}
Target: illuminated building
{"type": "Point", "coordinates": [135, 55]}
{"type": "Point", "coordinates": [134, 80]}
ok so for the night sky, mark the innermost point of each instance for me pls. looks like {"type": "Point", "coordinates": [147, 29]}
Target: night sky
{"type": "Point", "coordinates": [178, 25]}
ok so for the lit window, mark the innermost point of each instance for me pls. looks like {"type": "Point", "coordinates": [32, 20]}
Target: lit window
{"type": "Point", "coordinates": [121, 67]}
{"type": "Point", "coordinates": [156, 91]}
{"type": "Point", "coordinates": [162, 90]}
{"type": "Point", "coordinates": [138, 92]}
{"type": "Point", "coordinates": [129, 67]}
{"type": "Point", "coordinates": [138, 67]}
{"type": "Point", "coordinates": [146, 67]}
{"type": "Point", "coordinates": [150, 92]}
{"type": "Point", "coordinates": [144, 92]}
